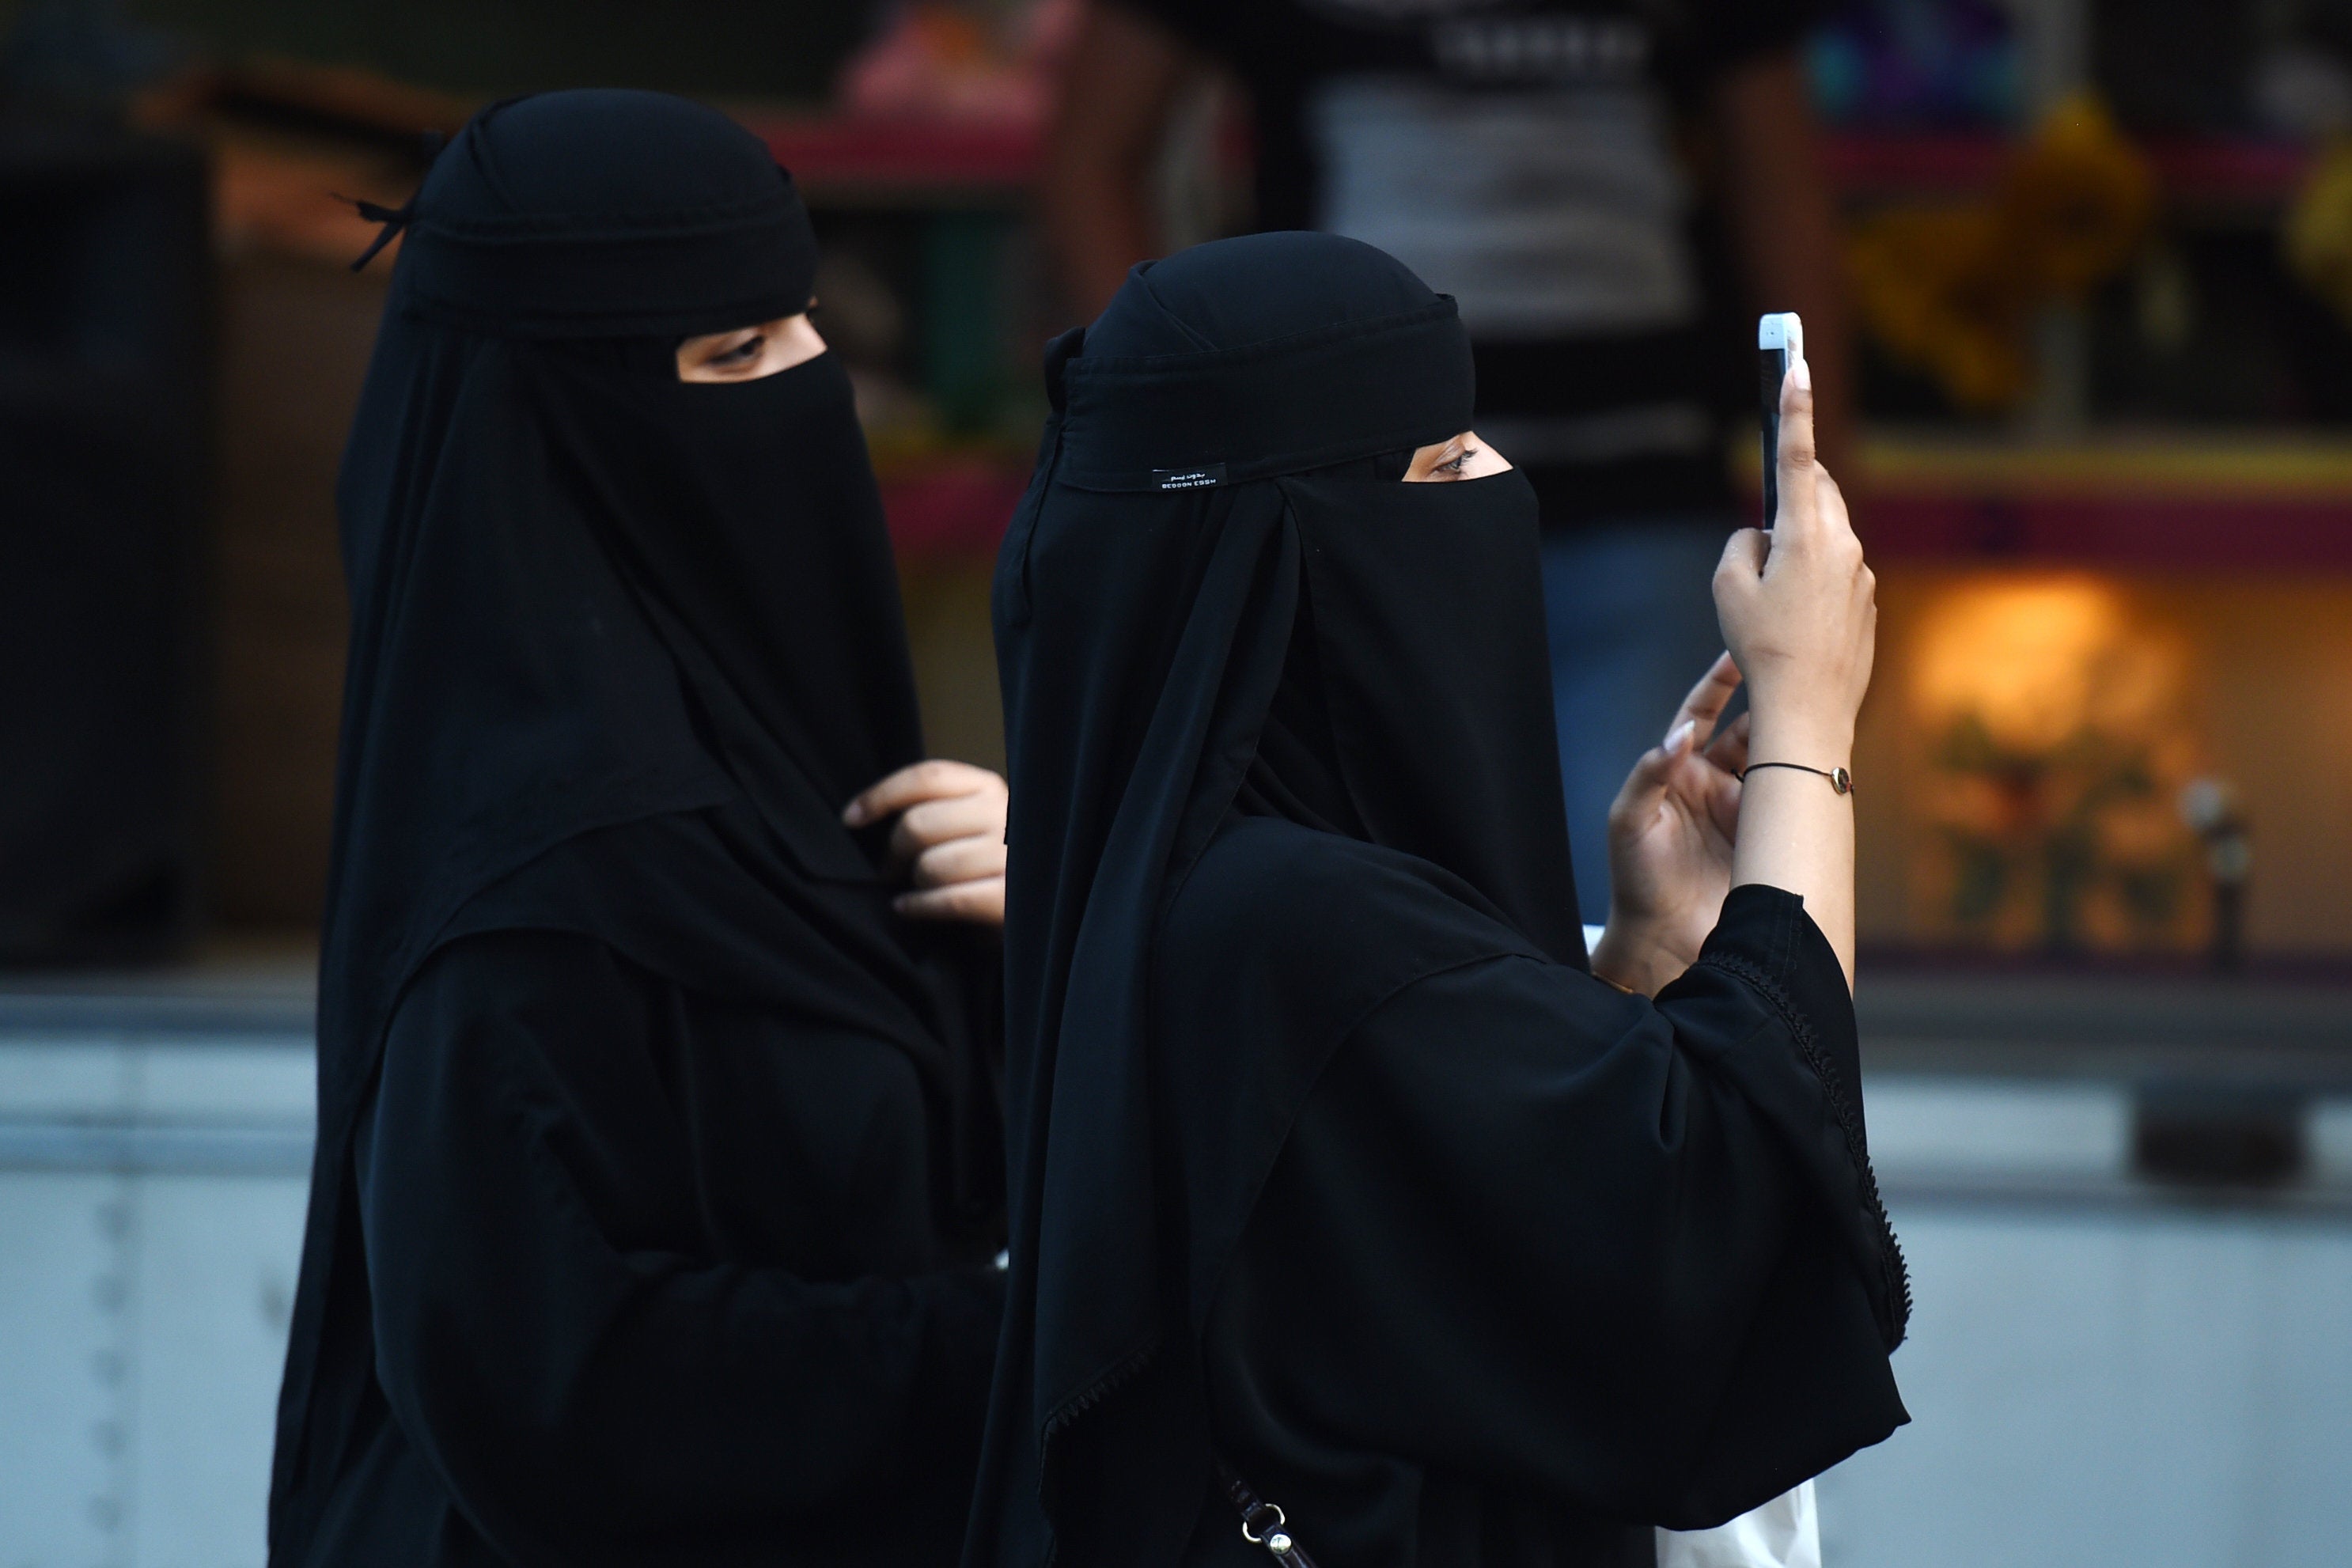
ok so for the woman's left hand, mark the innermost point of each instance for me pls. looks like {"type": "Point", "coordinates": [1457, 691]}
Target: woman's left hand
{"type": "Point", "coordinates": [1670, 837]}
{"type": "Point", "coordinates": [949, 838]}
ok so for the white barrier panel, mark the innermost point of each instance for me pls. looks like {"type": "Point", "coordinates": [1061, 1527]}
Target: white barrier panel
{"type": "Point", "coordinates": [2102, 1374]}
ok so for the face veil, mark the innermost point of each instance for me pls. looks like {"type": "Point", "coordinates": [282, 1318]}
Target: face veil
{"type": "Point", "coordinates": [622, 647]}
{"type": "Point", "coordinates": [1217, 599]}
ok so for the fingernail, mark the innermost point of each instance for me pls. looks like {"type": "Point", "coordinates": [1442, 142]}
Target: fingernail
{"type": "Point", "coordinates": [854, 814]}
{"type": "Point", "coordinates": [1800, 376]}
{"type": "Point", "coordinates": [1679, 735]}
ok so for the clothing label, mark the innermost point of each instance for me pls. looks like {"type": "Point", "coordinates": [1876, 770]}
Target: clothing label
{"type": "Point", "coordinates": [1546, 210]}
{"type": "Point", "coordinates": [1188, 479]}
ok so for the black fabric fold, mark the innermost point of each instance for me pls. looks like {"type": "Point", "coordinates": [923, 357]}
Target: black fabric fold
{"type": "Point", "coordinates": [1797, 974]}
{"type": "Point", "coordinates": [1485, 1259]}
{"type": "Point", "coordinates": [618, 1337]}
{"type": "Point", "coordinates": [584, 224]}
{"type": "Point", "coordinates": [1146, 422]}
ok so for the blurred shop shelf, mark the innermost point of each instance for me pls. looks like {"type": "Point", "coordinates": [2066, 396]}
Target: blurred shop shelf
{"type": "Point", "coordinates": [867, 158]}
{"type": "Point", "coordinates": [2150, 500]}
{"type": "Point", "coordinates": [860, 161]}
{"type": "Point", "coordinates": [2193, 171]}
{"type": "Point", "coordinates": [2155, 500]}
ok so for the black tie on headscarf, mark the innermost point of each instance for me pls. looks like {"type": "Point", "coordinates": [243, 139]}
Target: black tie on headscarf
{"type": "Point", "coordinates": [1216, 597]}
{"type": "Point", "coordinates": [622, 645]}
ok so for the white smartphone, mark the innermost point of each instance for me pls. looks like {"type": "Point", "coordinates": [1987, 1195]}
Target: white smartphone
{"type": "Point", "coordinates": [1779, 343]}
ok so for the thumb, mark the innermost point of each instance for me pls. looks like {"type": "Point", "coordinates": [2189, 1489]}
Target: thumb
{"type": "Point", "coordinates": [1799, 459]}
{"type": "Point", "coordinates": [1645, 787]}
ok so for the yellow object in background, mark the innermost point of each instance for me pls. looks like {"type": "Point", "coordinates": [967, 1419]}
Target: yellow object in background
{"type": "Point", "coordinates": [2057, 732]}
{"type": "Point", "coordinates": [2030, 731]}
{"type": "Point", "coordinates": [2318, 237]}
{"type": "Point", "coordinates": [1953, 291]}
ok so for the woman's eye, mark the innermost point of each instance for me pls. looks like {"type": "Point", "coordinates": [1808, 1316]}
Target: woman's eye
{"type": "Point", "coordinates": [741, 354]}
{"type": "Point", "coordinates": [1454, 465]}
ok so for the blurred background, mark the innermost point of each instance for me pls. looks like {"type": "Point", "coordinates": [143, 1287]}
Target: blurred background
{"type": "Point", "coordinates": [2099, 258]}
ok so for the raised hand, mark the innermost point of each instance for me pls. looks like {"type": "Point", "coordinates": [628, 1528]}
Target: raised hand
{"type": "Point", "coordinates": [1800, 613]}
{"type": "Point", "coordinates": [1670, 834]}
{"type": "Point", "coordinates": [949, 838]}
{"type": "Point", "coordinates": [1799, 606]}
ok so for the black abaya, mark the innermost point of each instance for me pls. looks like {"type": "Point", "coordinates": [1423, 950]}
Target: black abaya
{"type": "Point", "coordinates": [1536, 1259]}
{"type": "Point", "coordinates": [653, 1281]}
{"type": "Point", "coordinates": [1327, 1156]}
{"type": "Point", "coordinates": [659, 1164]}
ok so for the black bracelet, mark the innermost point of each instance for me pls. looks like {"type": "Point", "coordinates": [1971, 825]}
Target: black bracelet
{"type": "Point", "coordinates": [1840, 779]}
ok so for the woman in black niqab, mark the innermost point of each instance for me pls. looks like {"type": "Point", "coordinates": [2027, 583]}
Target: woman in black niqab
{"type": "Point", "coordinates": [1331, 1167]}
{"type": "Point", "coordinates": [658, 1170]}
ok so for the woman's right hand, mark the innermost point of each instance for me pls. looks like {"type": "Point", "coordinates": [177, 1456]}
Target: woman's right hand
{"type": "Point", "coordinates": [950, 840]}
{"type": "Point", "coordinates": [1799, 606]}
{"type": "Point", "coordinates": [1800, 614]}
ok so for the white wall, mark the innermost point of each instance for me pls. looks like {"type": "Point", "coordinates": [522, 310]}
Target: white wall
{"type": "Point", "coordinates": [2097, 1380]}
{"type": "Point", "coordinates": [151, 1213]}
{"type": "Point", "coordinates": [2116, 1389]}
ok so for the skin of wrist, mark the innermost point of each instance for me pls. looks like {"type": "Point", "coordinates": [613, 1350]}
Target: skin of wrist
{"type": "Point", "coordinates": [1633, 954]}
{"type": "Point", "coordinates": [1818, 743]}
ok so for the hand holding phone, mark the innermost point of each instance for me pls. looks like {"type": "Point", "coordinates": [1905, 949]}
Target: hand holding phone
{"type": "Point", "coordinates": [1779, 343]}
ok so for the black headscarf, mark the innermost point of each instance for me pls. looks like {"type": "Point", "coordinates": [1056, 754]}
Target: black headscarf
{"type": "Point", "coordinates": [1216, 598]}
{"type": "Point", "coordinates": [622, 647]}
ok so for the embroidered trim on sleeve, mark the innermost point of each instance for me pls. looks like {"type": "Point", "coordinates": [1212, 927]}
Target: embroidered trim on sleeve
{"type": "Point", "coordinates": [1894, 1274]}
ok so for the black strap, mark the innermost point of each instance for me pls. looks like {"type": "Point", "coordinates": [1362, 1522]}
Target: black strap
{"type": "Point", "coordinates": [1262, 1522]}
{"type": "Point", "coordinates": [1840, 779]}
{"type": "Point", "coordinates": [394, 219]}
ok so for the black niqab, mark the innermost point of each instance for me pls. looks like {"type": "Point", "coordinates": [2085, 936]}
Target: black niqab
{"type": "Point", "coordinates": [1216, 604]}
{"type": "Point", "coordinates": [623, 647]}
